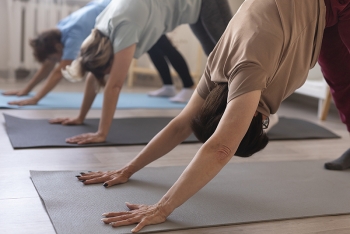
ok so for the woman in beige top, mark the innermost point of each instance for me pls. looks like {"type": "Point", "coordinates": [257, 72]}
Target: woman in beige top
{"type": "Point", "coordinates": [263, 56]}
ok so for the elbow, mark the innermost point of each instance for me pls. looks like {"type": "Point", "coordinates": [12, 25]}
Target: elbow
{"type": "Point", "coordinates": [114, 88]}
{"type": "Point", "coordinates": [223, 154]}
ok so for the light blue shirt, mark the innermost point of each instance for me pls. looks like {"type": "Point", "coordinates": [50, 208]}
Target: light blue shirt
{"type": "Point", "coordinates": [143, 22]}
{"type": "Point", "coordinates": [77, 26]}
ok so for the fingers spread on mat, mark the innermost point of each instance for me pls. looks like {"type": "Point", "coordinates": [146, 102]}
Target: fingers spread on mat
{"type": "Point", "coordinates": [66, 121]}
{"type": "Point", "coordinates": [15, 93]}
{"type": "Point", "coordinates": [86, 138]}
{"type": "Point", "coordinates": [109, 178]}
{"type": "Point", "coordinates": [142, 214]}
{"type": "Point", "coordinates": [30, 101]}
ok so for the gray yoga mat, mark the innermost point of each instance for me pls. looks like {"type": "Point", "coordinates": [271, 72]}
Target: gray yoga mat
{"type": "Point", "coordinates": [38, 133]}
{"type": "Point", "coordinates": [298, 129]}
{"type": "Point", "coordinates": [240, 193]}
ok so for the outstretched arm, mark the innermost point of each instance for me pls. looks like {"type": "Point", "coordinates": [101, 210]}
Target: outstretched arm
{"type": "Point", "coordinates": [119, 71]}
{"type": "Point", "coordinates": [89, 97]}
{"type": "Point", "coordinates": [51, 82]}
{"type": "Point", "coordinates": [207, 163]}
{"type": "Point", "coordinates": [172, 135]}
{"type": "Point", "coordinates": [41, 74]}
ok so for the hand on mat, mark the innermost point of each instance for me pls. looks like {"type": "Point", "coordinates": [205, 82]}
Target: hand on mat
{"type": "Point", "coordinates": [142, 214]}
{"type": "Point", "coordinates": [86, 138]}
{"type": "Point", "coordinates": [108, 178]}
{"type": "Point", "coordinates": [15, 93]}
{"type": "Point", "coordinates": [26, 102]}
{"type": "Point", "coordinates": [66, 121]}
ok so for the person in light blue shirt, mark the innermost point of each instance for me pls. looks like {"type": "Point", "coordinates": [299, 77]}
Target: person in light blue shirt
{"type": "Point", "coordinates": [77, 26]}
{"type": "Point", "coordinates": [59, 45]}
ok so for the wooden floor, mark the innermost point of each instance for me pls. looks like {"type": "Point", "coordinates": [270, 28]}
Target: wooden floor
{"type": "Point", "coordinates": [21, 210]}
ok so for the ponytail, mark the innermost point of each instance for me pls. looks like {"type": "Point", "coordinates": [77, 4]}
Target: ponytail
{"type": "Point", "coordinates": [96, 56]}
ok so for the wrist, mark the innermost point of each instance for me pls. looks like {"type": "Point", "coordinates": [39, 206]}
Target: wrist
{"type": "Point", "coordinates": [166, 206]}
{"type": "Point", "coordinates": [26, 90]}
{"type": "Point", "coordinates": [129, 170]}
{"type": "Point", "coordinates": [102, 134]}
{"type": "Point", "coordinates": [80, 118]}
{"type": "Point", "coordinates": [36, 99]}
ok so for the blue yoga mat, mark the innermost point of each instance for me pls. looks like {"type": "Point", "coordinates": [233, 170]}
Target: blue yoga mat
{"type": "Point", "coordinates": [72, 100]}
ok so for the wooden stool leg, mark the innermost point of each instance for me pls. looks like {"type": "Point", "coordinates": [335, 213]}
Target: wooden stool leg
{"type": "Point", "coordinates": [326, 105]}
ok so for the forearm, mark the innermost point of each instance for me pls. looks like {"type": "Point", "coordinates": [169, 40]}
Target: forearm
{"type": "Point", "coordinates": [41, 74]}
{"type": "Point", "coordinates": [110, 100]}
{"type": "Point", "coordinates": [207, 163]}
{"type": "Point", "coordinates": [51, 82]}
{"type": "Point", "coordinates": [118, 73]}
{"type": "Point", "coordinates": [89, 96]}
{"type": "Point", "coordinates": [171, 136]}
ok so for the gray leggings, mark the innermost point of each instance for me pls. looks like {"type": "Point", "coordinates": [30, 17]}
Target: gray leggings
{"type": "Point", "coordinates": [212, 22]}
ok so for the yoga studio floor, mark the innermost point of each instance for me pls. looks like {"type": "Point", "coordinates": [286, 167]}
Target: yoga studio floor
{"type": "Point", "coordinates": [21, 210]}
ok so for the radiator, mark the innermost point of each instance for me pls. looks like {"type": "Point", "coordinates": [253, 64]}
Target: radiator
{"type": "Point", "coordinates": [26, 20]}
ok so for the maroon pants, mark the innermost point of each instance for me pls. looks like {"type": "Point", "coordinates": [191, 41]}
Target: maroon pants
{"type": "Point", "coordinates": [335, 55]}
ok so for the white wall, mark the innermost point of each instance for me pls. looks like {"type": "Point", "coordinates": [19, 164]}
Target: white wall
{"type": "Point", "coordinates": [3, 36]}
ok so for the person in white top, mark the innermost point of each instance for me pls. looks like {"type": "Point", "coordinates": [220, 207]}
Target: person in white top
{"type": "Point", "coordinates": [127, 29]}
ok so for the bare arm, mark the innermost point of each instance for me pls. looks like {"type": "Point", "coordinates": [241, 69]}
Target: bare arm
{"type": "Point", "coordinates": [89, 97]}
{"type": "Point", "coordinates": [172, 135]}
{"type": "Point", "coordinates": [121, 64]}
{"type": "Point", "coordinates": [119, 71]}
{"type": "Point", "coordinates": [42, 73]}
{"type": "Point", "coordinates": [209, 160]}
{"type": "Point", "coordinates": [90, 93]}
{"type": "Point", "coordinates": [217, 151]}
{"type": "Point", "coordinates": [51, 82]}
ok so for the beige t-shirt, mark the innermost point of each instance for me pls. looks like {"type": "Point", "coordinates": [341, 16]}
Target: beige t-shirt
{"type": "Point", "coordinates": [269, 45]}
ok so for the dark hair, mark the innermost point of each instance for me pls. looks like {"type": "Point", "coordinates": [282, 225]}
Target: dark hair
{"type": "Point", "coordinates": [206, 121]}
{"type": "Point", "coordinates": [45, 44]}
{"type": "Point", "coordinates": [97, 55]}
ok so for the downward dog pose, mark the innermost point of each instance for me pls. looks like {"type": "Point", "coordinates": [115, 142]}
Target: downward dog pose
{"type": "Point", "coordinates": [60, 45]}
{"type": "Point", "coordinates": [262, 58]}
{"type": "Point", "coordinates": [127, 29]}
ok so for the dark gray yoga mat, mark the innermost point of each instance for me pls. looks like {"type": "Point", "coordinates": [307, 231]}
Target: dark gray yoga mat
{"type": "Point", "coordinates": [28, 133]}
{"type": "Point", "coordinates": [298, 129]}
{"type": "Point", "coordinates": [38, 133]}
{"type": "Point", "coordinates": [240, 193]}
